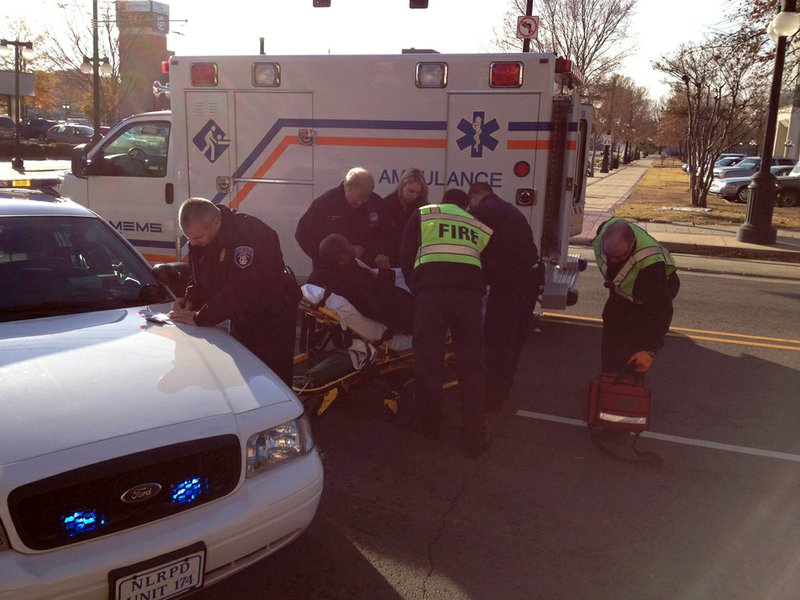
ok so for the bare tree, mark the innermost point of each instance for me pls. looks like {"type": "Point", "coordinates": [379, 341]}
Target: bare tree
{"type": "Point", "coordinates": [719, 91]}
{"type": "Point", "coordinates": [592, 34]}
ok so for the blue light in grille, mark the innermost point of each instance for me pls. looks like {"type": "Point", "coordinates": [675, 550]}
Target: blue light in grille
{"type": "Point", "coordinates": [189, 490]}
{"type": "Point", "coordinates": [81, 521]}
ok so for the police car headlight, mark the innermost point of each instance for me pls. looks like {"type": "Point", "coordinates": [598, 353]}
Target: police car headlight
{"type": "Point", "coordinates": [274, 446]}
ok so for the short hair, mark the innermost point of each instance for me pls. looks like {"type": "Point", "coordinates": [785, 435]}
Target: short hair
{"type": "Point", "coordinates": [336, 249]}
{"type": "Point", "coordinates": [457, 197]}
{"type": "Point", "coordinates": [479, 190]}
{"type": "Point", "coordinates": [413, 175]}
{"type": "Point", "coordinates": [618, 240]}
{"type": "Point", "coordinates": [197, 210]}
{"type": "Point", "coordinates": [359, 181]}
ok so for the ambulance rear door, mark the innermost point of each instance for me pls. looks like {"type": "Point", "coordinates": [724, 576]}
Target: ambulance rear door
{"type": "Point", "coordinates": [488, 133]}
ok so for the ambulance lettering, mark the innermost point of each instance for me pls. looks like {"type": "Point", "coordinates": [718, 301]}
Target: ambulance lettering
{"type": "Point", "coordinates": [451, 179]}
{"type": "Point", "coordinates": [477, 134]}
{"type": "Point", "coordinates": [136, 226]}
{"type": "Point", "coordinates": [211, 141]}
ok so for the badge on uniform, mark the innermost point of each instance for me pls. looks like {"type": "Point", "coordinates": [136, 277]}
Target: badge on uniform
{"type": "Point", "coordinates": [243, 256]}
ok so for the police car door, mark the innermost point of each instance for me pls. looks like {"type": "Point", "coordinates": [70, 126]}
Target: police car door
{"type": "Point", "coordinates": [496, 137]}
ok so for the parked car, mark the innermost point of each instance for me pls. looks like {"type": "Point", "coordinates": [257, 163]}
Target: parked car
{"type": "Point", "coordinates": [7, 128]}
{"type": "Point", "coordinates": [66, 133]}
{"type": "Point", "coordinates": [748, 166]}
{"type": "Point", "coordinates": [789, 188]}
{"type": "Point", "coordinates": [735, 188]}
{"type": "Point", "coordinates": [728, 161]}
{"type": "Point", "coordinates": [35, 128]}
{"type": "Point", "coordinates": [138, 458]}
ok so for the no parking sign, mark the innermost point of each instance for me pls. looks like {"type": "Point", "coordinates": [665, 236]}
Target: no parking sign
{"type": "Point", "coordinates": [527, 27]}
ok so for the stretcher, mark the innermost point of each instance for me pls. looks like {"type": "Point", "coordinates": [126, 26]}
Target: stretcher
{"type": "Point", "coordinates": [339, 349]}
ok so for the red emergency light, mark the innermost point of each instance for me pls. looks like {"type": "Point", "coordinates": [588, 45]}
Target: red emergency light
{"type": "Point", "coordinates": [505, 74]}
{"type": "Point", "coordinates": [165, 67]}
{"type": "Point", "coordinates": [204, 74]}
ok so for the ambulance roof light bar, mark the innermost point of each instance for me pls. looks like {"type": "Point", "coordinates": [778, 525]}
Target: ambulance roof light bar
{"type": "Point", "coordinates": [569, 72]}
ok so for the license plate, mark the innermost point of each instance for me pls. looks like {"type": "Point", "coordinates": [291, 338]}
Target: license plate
{"type": "Point", "coordinates": [160, 578]}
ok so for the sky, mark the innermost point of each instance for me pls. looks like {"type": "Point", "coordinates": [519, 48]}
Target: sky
{"type": "Point", "coordinates": [201, 27]}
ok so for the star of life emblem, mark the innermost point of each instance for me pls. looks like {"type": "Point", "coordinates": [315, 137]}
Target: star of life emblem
{"type": "Point", "coordinates": [243, 256]}
{"type": "Point", "coordinates": [477, 134]}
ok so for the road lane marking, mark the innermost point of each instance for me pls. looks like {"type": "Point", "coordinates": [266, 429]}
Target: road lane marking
{"type": "Point", "coordinates": [675, 439]}
{"type": "Point", "coordinates": [687, 332]}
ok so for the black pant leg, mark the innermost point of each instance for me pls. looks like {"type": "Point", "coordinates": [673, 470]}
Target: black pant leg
{"type": "Point", "coordinates": [430, 329]}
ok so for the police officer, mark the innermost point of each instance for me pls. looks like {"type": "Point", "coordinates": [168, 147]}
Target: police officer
{"type": "Point", "coordinates": [511, 264]}
{"type": "Point", "coordinates": [642, 280]}
{"type": "Point", "coordinates": [440, 256]}
{"type": "Point", "coordinates": [237, 273]}
{"type": "Point", "coordinates": [353, 210]}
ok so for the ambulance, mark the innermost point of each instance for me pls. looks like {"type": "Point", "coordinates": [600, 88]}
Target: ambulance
{"type": "Point", "coordinates": [267, 134]}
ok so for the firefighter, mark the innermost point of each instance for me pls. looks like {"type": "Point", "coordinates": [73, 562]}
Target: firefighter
{"type": "Point", "coordinates": [440, 256]}
{"type": "Point", "coordinates": [642, 280]}
{"type": "Point", "coordinates": [511, 264]}
{"type": "Point", "coordinates": [237, 273]}
{"type": "Point", "coordinates": [353, 210]}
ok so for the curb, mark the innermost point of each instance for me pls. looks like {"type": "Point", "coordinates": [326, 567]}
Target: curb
{"type": "Point", "coordinates": [715, 251]}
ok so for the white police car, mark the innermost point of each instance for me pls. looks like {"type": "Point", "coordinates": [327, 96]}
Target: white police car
{"type": "Point", "coordinates": [138, 459]}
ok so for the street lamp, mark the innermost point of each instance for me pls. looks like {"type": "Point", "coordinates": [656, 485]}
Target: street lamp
{"type": "Point", "coordinates": [66, 111]}
{"type": "Point", "coordinates": [95, 67]}
{"type": "Point", "coordinates": [757, 227]}
{"type": "Point", "coordinates": [27, 53]}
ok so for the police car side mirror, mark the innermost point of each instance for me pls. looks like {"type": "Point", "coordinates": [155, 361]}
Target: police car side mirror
{"type": "Point", "coordinates": [173, 275]}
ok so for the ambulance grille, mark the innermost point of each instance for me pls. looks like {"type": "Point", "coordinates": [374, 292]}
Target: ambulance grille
{"type": "Point", "coordinates": [88, 502]}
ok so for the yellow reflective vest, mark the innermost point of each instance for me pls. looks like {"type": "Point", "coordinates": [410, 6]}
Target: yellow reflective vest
{"type": "Point", "coordinates": [647, 251]}
{"type": "Point", "coordinates": [450, 234]}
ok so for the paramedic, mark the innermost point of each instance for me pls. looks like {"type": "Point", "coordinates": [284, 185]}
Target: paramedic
{"type": "Point", "coordinates": [441, 259]}
{"type": "Point", "coordinates": [352, 210]}
{"type": "Point", "coordinates": [511, 264]}
{"type": "Point", "coordinates": [410, 195]}
{"type": "Point", "coordinates": [642, 280]}
{"type": "Point", "coordinates": [237, 273]}
{"type": "Point", "coordinates": [373, 295]}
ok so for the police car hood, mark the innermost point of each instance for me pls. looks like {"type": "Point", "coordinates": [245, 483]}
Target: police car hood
{"type": "Point", "coordinates": [73, 380]}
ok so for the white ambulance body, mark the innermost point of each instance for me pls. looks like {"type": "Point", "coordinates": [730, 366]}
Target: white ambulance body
{"type": "Point", "coordinates": [268, 134]}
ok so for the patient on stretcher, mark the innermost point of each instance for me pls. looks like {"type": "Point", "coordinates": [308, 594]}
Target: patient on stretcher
{"type": "Point", "coordinates": [373, 295]}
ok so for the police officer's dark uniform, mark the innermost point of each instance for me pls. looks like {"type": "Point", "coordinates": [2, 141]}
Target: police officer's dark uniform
{"type": "Point", "coordinates": [440, 256]}
{"type": "Point", "coordinates": [367, 226]}
{"type": "Point", "coordinates": [240, 276]}
{"type": "Point", "coordinates": [511, 264]}
{"type": "Point", "coordinates": [638, 312]}
{"type": "Point", "coordinates": [398, 215]}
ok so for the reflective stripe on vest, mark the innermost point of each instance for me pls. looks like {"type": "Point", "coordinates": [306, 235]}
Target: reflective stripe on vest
{"type": "Point", "coordinates": [450, 234]}
{"type": "Point", "coordinates": [649, 252]}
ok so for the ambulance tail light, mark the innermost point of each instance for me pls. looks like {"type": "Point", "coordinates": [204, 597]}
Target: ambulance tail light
{"type": "Point", "coordinates": [505, 75]}
{"type": "Point", "coordinates": [204, 74]}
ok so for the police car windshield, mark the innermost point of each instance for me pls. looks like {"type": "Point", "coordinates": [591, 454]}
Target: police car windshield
{"type": "Point", "coordinates": [53, 265]}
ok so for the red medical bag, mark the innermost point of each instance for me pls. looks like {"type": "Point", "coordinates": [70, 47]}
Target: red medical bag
{"type": "Point", "coordinates": [617, 401]}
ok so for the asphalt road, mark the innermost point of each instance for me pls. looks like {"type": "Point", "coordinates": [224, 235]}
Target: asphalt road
{"type": "Point", "coordinates": [544, 514]}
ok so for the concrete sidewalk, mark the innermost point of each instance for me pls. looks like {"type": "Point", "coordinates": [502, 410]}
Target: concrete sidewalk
{"type": "Point", "coordinates": [606, 191]}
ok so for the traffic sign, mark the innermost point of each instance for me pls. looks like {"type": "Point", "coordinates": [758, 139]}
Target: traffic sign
{"type": "Point", "coordinates": [527, 27]}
